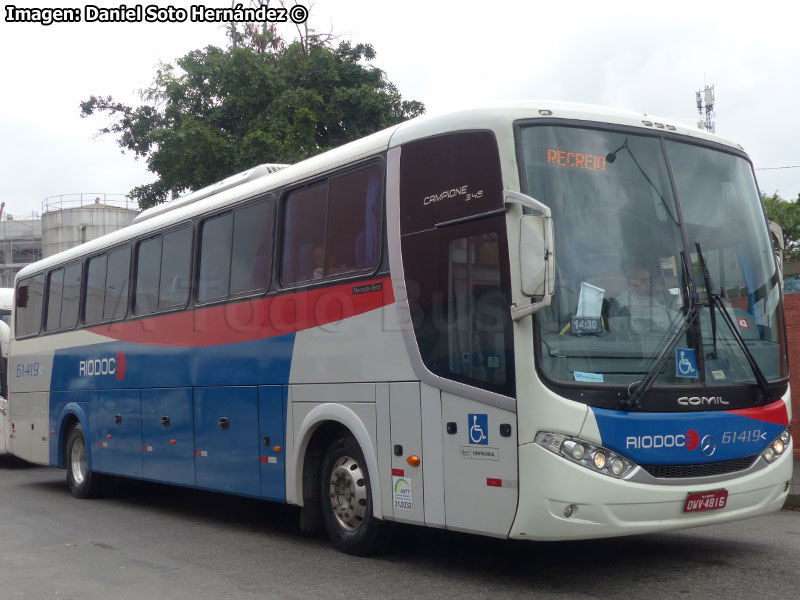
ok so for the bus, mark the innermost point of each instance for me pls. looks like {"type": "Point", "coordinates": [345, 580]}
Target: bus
{"type": "Point", "coordinates": [536, 321]}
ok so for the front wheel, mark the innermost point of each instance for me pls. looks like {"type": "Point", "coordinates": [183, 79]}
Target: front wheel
{"type": "Point", "coordinates": [82, 482]}
{"type": "Point", "coordinates": [347, 499]}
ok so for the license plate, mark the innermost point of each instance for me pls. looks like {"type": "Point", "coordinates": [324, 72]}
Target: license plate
{"type": "Point", "coordinates": [706, 501]}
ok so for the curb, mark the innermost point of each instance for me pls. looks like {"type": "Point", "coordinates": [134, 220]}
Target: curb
{"type": "Point", "coordinates": [792, 502]}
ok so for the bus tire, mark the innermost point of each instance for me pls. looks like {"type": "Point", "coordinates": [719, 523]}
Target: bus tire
{"type": "Point", "coordinates": [82, 482]}
{"type": "Point", "coordinates": [346, 497]}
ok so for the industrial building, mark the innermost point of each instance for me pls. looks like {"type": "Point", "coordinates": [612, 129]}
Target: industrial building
{"type": "Point", "coordinates": [66, 221]}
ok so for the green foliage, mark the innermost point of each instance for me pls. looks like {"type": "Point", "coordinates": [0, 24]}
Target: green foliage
{"type": "Point", "coordinates": [217, 112]}
{"type": "Point", "coordinates": [785, 213]}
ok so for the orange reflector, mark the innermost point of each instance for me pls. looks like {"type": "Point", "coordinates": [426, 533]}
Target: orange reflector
{"type": "Point", "coordinates": [108, 437]}
{"type": "Point", "coordinates": [52, 433]}
{"type": "Point", "coordinates": [276, 448]}
{"type": "Point", "coordinates": [172, 442]}
{"type": "Point", "coordinates": [413, 460]}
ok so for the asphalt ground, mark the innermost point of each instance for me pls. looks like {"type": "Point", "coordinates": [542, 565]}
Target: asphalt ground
{"type": "Point", "coordinates": [148, 541]}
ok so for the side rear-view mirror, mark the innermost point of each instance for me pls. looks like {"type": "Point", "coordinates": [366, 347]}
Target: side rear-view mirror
{"type": "Point", "coordinates": [536, 257]}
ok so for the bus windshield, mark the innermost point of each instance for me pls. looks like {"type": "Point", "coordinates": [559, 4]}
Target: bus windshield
{"type": "Point", "coordinates": [626, 278]}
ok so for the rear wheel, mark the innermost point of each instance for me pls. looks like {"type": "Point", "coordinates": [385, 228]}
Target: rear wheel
{"type": "Point", "coordinates": [82, 482]}
{"type": "Point", "coordinates": [347, 499]}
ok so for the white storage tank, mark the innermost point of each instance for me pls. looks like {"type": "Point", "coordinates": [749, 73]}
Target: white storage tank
{"type": "Point", "coordinates": [73, 219]}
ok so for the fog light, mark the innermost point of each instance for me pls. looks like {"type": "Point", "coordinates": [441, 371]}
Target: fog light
{"type": "Point", "coordinates": [599, 460]}
{"type": "Point", "coordinates": [778, 446]}
{"type": "Point", "coordinates": [578, 452]}
{"type": "Point", "coordinates": [617, 467]}
{"type": "Point", "coordinates": [570, 508]}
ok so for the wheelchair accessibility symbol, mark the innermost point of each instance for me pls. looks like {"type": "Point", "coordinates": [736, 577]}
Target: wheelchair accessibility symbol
{"type": "Point", "coordinates": [685, 363]}
{"type": "Point", "coordinates": [479, 429]}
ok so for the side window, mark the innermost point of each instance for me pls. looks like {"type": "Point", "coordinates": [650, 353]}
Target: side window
{"type": "Point", "coordinates": [30, 300]}
{"type": "Point", "coordinates": [251, 264]}
{"type": "Point", "coordinates": [163, 267]}
{"type": "Point", "coordinates": [55, 285]}
{"type": "Point", "coordinates": [354, 221]}
{"type": "Point", "coordinates": [71, 296]}
{"type": "Point", "coordinates": [304, 235]}
{"type": "Point", "coordinates": [176, 259]}
{"type": "Point", "coordinates": [95, 289]}
{"type": "Point", "coordinates": [215, 258]}
{"type": "Point", "coordinates": [333, 227]}
{"type": "Point", "coordinates": [476, 311]}
{"type": "Point", "coordinates": [148, 273]}
{"type": "Point", "coordinates": [116, 285]}
{"type": "Point", "coordinates": [459, 287]}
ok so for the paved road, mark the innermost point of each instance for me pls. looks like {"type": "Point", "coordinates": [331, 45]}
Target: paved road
{"type": "Point", "coordinates": [146, 541]}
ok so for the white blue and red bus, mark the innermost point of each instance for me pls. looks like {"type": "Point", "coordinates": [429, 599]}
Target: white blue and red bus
{"type": "Point", "coordinates": [539, 322]}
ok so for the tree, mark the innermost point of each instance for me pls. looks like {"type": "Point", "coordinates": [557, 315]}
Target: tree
{"type": "Point", "coordinates": [787, 215]}
{"type": "Point", "coordinates": [217, 112]}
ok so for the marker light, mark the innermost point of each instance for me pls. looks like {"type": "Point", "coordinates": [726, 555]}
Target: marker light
{"type": "Point", "coordinates": [586, 454]}
{"type": "Point", "coordinates": [413, 461]}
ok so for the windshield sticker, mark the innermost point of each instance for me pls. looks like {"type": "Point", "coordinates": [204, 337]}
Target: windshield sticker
{"type": "Point", "coordinates": [588, 377]}
{"type": "Point", "coordinates": [685, 363]}
{"type": "Point", "coordinates": [718, 375]}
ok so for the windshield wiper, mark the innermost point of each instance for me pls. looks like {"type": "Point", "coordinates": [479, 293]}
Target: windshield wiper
{"type": "Point", "coordinates": [692, 311]}
{"type": "Point", "coordinates": [716, 299]}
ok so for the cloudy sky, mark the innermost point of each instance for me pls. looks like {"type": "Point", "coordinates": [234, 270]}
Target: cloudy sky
{"type": "Point", "coordinates": [637, 55]}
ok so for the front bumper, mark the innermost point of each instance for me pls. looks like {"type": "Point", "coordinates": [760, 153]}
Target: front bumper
{"type": "Point", "coordinates": [607, 507]}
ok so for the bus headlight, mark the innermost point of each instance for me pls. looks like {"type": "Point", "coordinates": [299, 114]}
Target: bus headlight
{"type": "Point", "coordinates": [777, 446]}
{"type": "Point", "coordinates": [593, 457]}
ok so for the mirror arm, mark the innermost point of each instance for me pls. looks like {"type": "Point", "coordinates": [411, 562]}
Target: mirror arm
{"type": "Point", "coordinates": [520, 312]}
{"type": "Point", "coordinates": [510, 197]}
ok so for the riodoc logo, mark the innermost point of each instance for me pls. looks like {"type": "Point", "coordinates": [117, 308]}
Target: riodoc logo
{"type": "Point", "coordinates": [103, 366]}
{"type": "Point", "coordinates": [689, 440]}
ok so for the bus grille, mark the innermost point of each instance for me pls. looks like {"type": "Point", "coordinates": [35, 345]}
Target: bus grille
{"type": "Point", "coordinates": [704, 470]}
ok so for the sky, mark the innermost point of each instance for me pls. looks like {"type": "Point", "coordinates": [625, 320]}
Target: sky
{"type": "Point", "coordinates": [644, 56]}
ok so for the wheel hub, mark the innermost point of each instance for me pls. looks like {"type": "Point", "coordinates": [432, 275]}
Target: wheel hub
{"type": "Point", "coordinates": [78, 461]}
{"type": "Point", "coordinates": [348, 493]}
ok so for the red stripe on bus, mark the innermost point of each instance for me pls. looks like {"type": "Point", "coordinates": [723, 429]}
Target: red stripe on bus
{"type": "Point", "coordinates": [255, 319]}
{"type": "Point", "coordinates": [772, 413]}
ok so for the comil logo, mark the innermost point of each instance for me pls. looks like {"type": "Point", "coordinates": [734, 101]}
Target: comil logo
{"type": "Point", "coordinates": [103, 366]}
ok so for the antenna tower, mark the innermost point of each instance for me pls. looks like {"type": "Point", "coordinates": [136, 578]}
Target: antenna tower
{"type": "Point", "coordinates": [705, 106]}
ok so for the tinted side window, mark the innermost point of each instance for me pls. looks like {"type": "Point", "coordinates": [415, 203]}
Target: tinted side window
{"type": "Point", "coordinates": [215, 258]}
{"type": "Point", "coordinates": [116, 300]}
{"type": "Point", "coordinates": [55, 286]}
{"type": "Point", "coordinates": [95, 284]}
{"type": "Point", "coordinates": [175, 268]}
{"type": "Point", "coordinates": [71, 296]}
{"type": "Point", "coordinates": [304, 235]}
{"type": "Point", "coordinates": [354, 221]}
{"type": "Point", "coordinates": [30, 300]}
{"type": "Point", "coordinates": [252, 248]}
{"type": "Point", "coordinates": [148, 272]}
{"type": "Point", "coordinates": [458, 281]}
